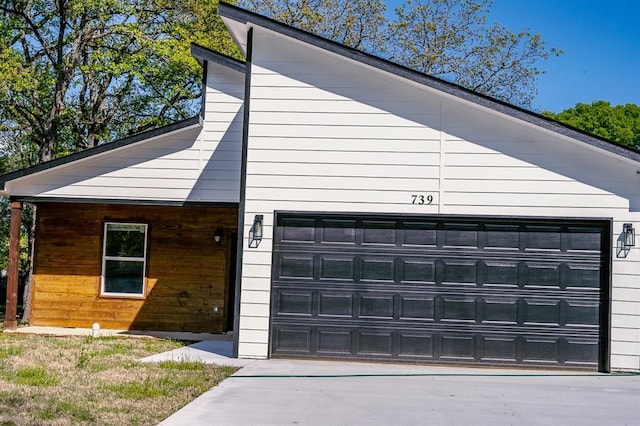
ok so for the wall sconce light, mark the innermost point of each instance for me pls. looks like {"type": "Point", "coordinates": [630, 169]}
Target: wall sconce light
{"type": "Point", "coordinates": [255, 233]}
{"type": "Point", "coordinates": [217, 236]}
{"type": "Point", "coordinates": [629, 235]}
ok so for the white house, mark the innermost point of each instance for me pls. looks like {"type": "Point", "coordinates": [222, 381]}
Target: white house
{"type": "Point", "coordinates": [378, 213]}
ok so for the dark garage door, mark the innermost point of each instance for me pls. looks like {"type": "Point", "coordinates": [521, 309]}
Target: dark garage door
{"type": "Point", "coordinates": [446, 290]}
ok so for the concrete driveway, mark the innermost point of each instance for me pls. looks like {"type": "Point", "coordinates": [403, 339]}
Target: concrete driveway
{"type": "Point", "coordinates": [286, 392]}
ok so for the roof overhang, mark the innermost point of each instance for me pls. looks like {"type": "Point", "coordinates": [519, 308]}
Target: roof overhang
{"type": "Point", "coordinates": [98, 150]}
{"type": "Point", "coordinates": [202, 54]}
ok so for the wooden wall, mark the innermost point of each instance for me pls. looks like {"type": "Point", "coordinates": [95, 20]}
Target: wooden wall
{"type": "Point", "coordinates": [187, 272]}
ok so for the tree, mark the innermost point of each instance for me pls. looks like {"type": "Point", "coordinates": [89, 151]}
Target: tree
{"type": "Point", "coordinates": [620, 123]}
{"type": "Point", "coordinates": [449, 39]}
{"type": "Point", "coordinates": [358, 23]}
{"type": "Point", "coordinates": [80, 72]}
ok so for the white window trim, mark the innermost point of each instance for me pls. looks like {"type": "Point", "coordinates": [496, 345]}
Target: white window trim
{"type": "Point", "coordinates": [143, 259]}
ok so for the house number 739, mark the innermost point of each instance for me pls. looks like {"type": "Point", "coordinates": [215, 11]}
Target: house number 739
{"type": "Point", "coordinates": [421, 199]}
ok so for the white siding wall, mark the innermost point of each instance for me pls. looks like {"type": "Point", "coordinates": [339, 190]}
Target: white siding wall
{"type": "Point", "coordinates": [329, 135]}
{"type": "Point", "coordinates": [193, 164]}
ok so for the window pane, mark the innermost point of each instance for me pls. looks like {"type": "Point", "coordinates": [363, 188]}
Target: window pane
{"type": "Point", "coordinates": [125, 240]}
{"type": "Point", "coordinates": [123, 276]}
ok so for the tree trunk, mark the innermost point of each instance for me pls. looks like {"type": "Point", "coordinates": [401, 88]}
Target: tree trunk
{"type": "Point", "coordinates": [13, 272]}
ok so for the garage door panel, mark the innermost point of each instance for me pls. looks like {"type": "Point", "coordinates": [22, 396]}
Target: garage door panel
{"type": "Point", "coordinates": [460, 235]}
{"type": "Point", "coordinates": [295, 266]}
{"type": "Point", "coordinates": [500, 311]}
{"type": "Point", "coordinates": [502, 237]}
{"type": "Point", "coordinates": [415, 345]}
{"type": "Point", "coordinates": [582, 314]}
{"type": "Point", "coordinates": [420, 234]}
{"type": "Point", "coordinates": [542, 312]}
{"type": "Point", "coordinates": [451, 304]}
{"type": "Point", "coordinates": [294, 303]}
{"type": "Point", "coordinates": [335, 304]}
{"type": "Point", "coordinates": [457, 308]}
{"type": "Point", "coordinates": [297, 230]}
{"type": "Point", "coordinates": [502, 349]}
{"type": "Point", "coordinates": [583, 239]}
{"type": "Point", "coordinates": [541, 350]}
{"type": "Point", "coordinates": [441, 290]}
{"type": "Point", "coordinates": [502, 273]}
{"type": "Point", "coordinates": [582, 276]}
{"type": "Point", "coordinates": [293, 340]}
{"type": "Point", "coordinates": [375, 342]}
{"type": "Point", "coordinates": [543, 238]}
{"type": "Point", "coordinates": [376, 306]}
{"type": "Point", "coordinates": [418, 270]}
{"type": "Point", "coordinates": [378, 232]}
{"type": "Point", "coordinates": [459, 271]}
{"type": "Point", "coordinates": [337, 268]}
{"type": "Point", "coordinates": [335, 342]}
{"type": "Point", "coordinates": [338, 231]}
{"type": "Point", "coordinates": [580, 352]}
{"type": "Point", "coordinates": [378, 269]}
{"type": "Point", "coordinates": [441, 344]}
{"type": "Point", "coordinates": [541, 274]}
{"type": "Point", "coordinates": [416, 307]}
{"type": "Point", "coordinates": [457, 348]}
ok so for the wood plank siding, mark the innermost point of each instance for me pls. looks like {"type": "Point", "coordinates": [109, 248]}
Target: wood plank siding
{"type": "Point", "coordinates": [327, 134]}
{"type": "Point", "coordinates": [187, 272]}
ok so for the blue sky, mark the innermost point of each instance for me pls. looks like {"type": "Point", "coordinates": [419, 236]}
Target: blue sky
{"type": "Point", "coordinates": [601, 44]}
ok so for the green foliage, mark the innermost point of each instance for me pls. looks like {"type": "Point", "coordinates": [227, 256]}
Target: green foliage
{"type": "Point", "coordinates": [141, 390]}
{"type": "Point", "coordinates": [357, 23]}
{"type": "Point", "coordinates": [79, 72]}
{"type": "Point", "coordinates": [56, 409]}
{"type": "Point", "coordinates": [452, 39]}
{"type": "Point", "coordinates": [182, 365]}
{"type": "Point", "coordinates": [620, 123]}
{"type": "Point", "coordinates": [156, 345]}
{"type": "Point", "coordinates": [8, 351]}
{"type": "Point", "coordinates": [34, 376]}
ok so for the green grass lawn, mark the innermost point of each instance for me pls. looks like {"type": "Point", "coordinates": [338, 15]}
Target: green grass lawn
{"type": "Point", "coordinates": [85, 380]}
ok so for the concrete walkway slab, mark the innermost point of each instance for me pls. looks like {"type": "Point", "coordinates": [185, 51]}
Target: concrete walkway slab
{"type": "Point", "coordinates": [281, 392]}
{"type": "Point", "coordinates": [208, 351]}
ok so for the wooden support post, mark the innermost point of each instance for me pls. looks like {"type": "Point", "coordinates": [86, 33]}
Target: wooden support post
{"type": "Point", "coordinates": [10, 321]}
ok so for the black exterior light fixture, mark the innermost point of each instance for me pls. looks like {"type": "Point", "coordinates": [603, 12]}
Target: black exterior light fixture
{"type": "Point", "coordinates": [217, 236]}
{"type": "Point", "coordinates": [626, 240]}
{"type": "Point", "coordinates": [629, 235]}
{"type": "Point", "coordinates": [255, 233]}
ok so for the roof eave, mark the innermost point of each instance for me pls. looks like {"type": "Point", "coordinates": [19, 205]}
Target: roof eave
{"type": "Point", "coordinates": [203, 54]}
{"type": "Point", "coordinates": [100, 149]}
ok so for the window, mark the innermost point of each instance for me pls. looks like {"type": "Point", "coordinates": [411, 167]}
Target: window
{"type": "Point", "coordinates": [124, 259]}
